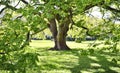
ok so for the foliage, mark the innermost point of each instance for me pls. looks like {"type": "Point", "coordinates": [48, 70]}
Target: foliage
{"type": "Point", "coordinates": [13, 56]}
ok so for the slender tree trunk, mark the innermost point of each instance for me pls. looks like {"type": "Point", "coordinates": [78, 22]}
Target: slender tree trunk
{"type": "Point", "coordinates": [26, 42]}
{"type": "Point", "coordinates": [59, 35]}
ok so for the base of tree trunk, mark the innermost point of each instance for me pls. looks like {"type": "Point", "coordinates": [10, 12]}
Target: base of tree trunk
{"type": "Point", "coordinates": [57, 49]}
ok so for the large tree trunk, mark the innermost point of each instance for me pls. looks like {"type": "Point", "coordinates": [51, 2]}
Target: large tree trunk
{"type": "Point", "coordinates": [61, 39]}
{"type": "Point", "coordinates": [59, 35]}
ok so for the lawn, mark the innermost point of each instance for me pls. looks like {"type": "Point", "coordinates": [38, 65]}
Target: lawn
{"type": "Point", "coordinates": [81, 59]}
{"type": "Point", "coordinates": [71, 44]}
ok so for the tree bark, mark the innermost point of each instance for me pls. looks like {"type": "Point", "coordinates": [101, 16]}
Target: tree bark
{"type": "Point", "coordinates": [53, 29]}
{"type": "Point", "coordinates": [59, 35]}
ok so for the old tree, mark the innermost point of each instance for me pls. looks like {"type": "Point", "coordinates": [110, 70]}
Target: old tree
{"type": "Point", "coordinates": [57, 15]}
{"type": "Point", "coordinates": [20, 17]}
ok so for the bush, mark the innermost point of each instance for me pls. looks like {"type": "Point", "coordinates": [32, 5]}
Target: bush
{"type": "Point", "coordinates": [70, 39]}
{"type": "Point", "coordinates": [78, 40]}
{"type": "Point", "coordinates": [107, 42]}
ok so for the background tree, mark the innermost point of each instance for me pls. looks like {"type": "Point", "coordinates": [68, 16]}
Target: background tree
{"type": "Point", "coordinates": [61, 16]}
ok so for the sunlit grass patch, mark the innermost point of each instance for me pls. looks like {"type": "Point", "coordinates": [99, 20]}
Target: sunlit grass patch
{"type": "Point", "coordinates": [81, 59]}
{"type": "Point", "coordinates": [71, 44]}
{"type": "Point", "coordinates": [56, 71]}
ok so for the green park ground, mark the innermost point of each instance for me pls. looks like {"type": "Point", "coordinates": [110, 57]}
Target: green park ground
{"type": "Point", "coordinates": [82, 58]}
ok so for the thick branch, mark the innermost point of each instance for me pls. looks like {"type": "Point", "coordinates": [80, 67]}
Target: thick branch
{"type": "Point", "coordinates": [25, 2]}
{"type": "Point", "coordinates": [92, 5]}
{"type": "Point", "coordinates": [8, 6]}
{"type": "Point", "coordinates": [111, 9]}
{"type": "Point", "coordinates": [53, 27]}
{"type": "Point", "coordinates": [2, 53]}
{"type": "Point", "coordinates": [100, 4]}
{"type": "Point", "coordinates": [3, 9]}
{"type": "Point", "coordinates": [87, 31]}
{"type": "Point", "coordinates": [17, 3]}
{"type": "Point", "coordinates": [11, 7]}
{"type": "Point", "coordinates": [70, 18]}
{"type": "Point", "coordinates": [19, 17]}
{"type": "Point", "coordinates": [39, 31]}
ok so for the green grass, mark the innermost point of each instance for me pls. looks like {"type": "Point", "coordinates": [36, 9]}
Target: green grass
{"type": "Point", "coordinates": [78, 60]}
{"type": "Point", "coordinates": [71, 44]}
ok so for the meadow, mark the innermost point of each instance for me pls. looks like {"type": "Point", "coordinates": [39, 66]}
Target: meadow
{"type": "Point", "coordinates": [82, 58]}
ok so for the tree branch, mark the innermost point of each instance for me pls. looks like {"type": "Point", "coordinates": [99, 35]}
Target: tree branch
{"type": "Point", "coordinates": [19, 17]}
{"type": "Point", "coordinates": [25, 2]}
{"type": "Point", "coordinates": [100, 4]}
{"type": "Point", "coordinates": [92, 5]}
{"type": "Point", "coordinates": [17, 3]}
{"type": "Point", "coordinates": [70, 17]}
{"type": "Point", "coordinates": [3, 9]}
{"type": "Point", "coordinates": [39, 31]}
{"type": "Point", "coordinates": [2, 53]}
{"type": "Point", "coordinates": [11, 7]}
{"type": "Point", "coordinates": [87, 32]}
{"type": "Point", "coordinates": [8, 6]}
{"type": "Point", "coordinates": [111, 9]}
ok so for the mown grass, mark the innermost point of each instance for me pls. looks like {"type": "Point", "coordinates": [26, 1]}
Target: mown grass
{"type": "Point", "coordinates": [71, 44]}
{"type": "Point", "coordinates": [81, 59]}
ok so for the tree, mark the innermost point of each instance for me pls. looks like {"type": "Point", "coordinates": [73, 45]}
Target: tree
{"type": "Point", "coordinates": [20, 18]}
{"type": "Point", "coordinates": [62, 14]}
{"type": "Point", "coordinates": [58, 15]}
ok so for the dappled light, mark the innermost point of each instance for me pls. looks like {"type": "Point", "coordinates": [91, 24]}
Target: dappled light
{"type": "Point", "coordinates": [93, 58]}
{"type": "Point", "coordinates": [78, 60]}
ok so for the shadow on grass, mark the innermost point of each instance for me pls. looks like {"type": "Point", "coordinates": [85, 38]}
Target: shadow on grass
{"type": "Point", "coordinates": [94, 63]}
{"type": "Point", "coordinates": [77, 61]}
